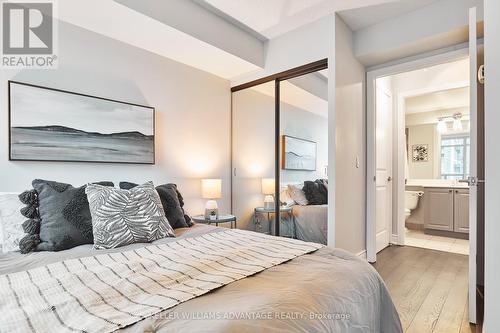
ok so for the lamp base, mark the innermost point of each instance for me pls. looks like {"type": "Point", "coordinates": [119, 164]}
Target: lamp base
{"type": "Point", "coordinates": [269, 202]}
{"type": "Point", "coordinates": [211, 210]}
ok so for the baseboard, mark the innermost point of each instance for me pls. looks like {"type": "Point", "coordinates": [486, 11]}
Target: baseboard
{"type": "Point", "coordinates": [443, 233]}
{"type": "Point", "coordinates": [414, 226]}
{"type": "Point", "coordinates": [394, 239]}
{"type": "Point", "coordinates": [361, 254]}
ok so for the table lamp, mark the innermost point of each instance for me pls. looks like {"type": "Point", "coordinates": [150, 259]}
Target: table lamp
{"type": "Point", "coordinates": [211, 189]}
{"type": "Point", "coordinates": [268, 191]}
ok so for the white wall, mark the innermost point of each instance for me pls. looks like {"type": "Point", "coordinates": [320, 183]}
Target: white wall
{"type": "Point", "coordinates": [438, 25]}
{"type": "Point", "coordinates": [350, 125]}
{"type": "Point", "coordinates": [189, 144]}
{"type": "Point", "coordinates": [431, 117]}
{"type": "Point", "coordinates": [492, 165]}
{"type": "Point", "coordinates": [434, 78]}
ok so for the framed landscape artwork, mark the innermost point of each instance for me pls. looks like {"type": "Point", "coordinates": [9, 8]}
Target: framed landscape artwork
{"type": "Point", "coordinates": [298, 154]}
{"type": "Point", "coordinates": [55, 125]}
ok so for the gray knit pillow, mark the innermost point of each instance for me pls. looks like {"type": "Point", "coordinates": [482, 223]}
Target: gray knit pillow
{"type": "Point", "coordinates": [59, 216]}
{"type": "Point", "coordinates": [121, 217]}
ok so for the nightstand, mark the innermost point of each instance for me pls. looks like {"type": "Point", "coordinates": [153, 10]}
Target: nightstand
{"type": "Point", "coordinates": [261, 211]}
{"type": "Point", "coordinates": [220, 219]}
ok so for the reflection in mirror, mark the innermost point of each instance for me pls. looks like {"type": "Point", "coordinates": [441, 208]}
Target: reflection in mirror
{"type": "Point", "coordinates": [253, 157]}
{"type": "Point", "coordinates": [437, 134]}
{"type": "Point", "coordinates": [304, 157]}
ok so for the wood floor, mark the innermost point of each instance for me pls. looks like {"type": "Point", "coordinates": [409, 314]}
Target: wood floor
{"type": "Point", "coordinates": [428, 287]}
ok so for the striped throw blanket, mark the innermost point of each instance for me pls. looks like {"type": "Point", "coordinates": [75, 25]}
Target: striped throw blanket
{"type": "Point", "coordinates": [106, 292]}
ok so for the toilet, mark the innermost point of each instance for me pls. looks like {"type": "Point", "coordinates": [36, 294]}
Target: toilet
{"type": "Point", "coordinates": [411, 201]}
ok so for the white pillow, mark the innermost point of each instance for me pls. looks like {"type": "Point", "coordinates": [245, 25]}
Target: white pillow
{"type": "Point", "coordinates": [297, 194]}
{"type": "Point", "coordinates": [11, 220]}
{"type": "Point", "coordinates": [285, 197]}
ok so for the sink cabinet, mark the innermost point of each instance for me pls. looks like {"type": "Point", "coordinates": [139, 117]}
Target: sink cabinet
{"type": "Point", "coordinates": [446, 209]}
{"type": "Point", "coordinates": [461, 211]}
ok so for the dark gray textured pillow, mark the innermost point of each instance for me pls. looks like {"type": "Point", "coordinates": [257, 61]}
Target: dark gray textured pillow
{"type": "Point", "coordinates": [316, 192]}
{"type": "Point", "coordinates": [121, 217]}
{"type": "Point", "coordinates": [172, 202]}
{"type": "Point", "coordinates": [65, 219]}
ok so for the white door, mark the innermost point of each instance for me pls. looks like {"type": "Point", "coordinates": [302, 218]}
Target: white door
{"type": "Point", "coordinates": [476, 161]}
{"type": "Point", "coordinates": [383, 156]}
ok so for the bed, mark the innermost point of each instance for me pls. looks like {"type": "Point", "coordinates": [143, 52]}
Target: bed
{"type": "Point", "coordinates": [325, 290]}
{"type": "Point", "coordinates": [311, 223]}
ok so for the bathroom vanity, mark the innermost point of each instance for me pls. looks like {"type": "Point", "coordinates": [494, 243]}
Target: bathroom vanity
{"type": "Point", "coordinates": [442, 210]}
{"type": "Point", "coordinates": [446, 209]}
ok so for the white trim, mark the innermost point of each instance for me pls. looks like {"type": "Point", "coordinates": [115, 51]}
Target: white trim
{"type": "Point", "coordinates": [473, 164]}
{"type": "Point", "coordinates": [361, 254]}
{"type": "Point", "coordinates": [332, 123]}
{"type": "Point", "coordinates": [394, 239]}
{"type": "Point", "coordinates": [448, 55]}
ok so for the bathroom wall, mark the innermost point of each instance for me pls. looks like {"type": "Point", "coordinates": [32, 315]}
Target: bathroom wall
{"type": "Point", "coordinates": [423, 134]}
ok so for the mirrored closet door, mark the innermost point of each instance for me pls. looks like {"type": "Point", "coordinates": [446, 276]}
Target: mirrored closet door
{"type": "Point", "coordinates": [279, 149]}
{"type": "Point", "coordinates": [304, 157]}
{"type": "Point", "coordinates": [253, 157]}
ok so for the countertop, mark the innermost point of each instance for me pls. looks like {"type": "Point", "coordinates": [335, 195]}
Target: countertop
{"type": "Point", "coordinates": [436, 183]}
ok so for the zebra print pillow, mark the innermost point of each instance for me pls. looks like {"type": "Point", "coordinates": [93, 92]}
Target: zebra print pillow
{"type": "Point", "coordinates": [121, 217]}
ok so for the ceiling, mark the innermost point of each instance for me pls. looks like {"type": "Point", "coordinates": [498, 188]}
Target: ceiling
{"type": "Point", "coordinates": [134, 28]}
{"type": "Point", "coordinates": [438, 100]}
{"type": "Point", "coordinates": [360, 18]}
{"type": "Point", "coordinates": [264, 19]}
{"type": "Point", "coordinates": [272, 18]}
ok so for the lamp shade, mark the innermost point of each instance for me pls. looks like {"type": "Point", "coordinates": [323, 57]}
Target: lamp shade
{"type": "Point", "coordinates": [211, 188]}
{"type": "Point", "coordinates": [268, 186]}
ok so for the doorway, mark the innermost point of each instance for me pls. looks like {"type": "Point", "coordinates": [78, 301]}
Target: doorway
{"type": "Point", "coordinates": [449, 146]}
{"type": "Point", "coordinates": [433, 104]}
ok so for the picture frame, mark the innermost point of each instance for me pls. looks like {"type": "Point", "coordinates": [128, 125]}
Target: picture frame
{"type": "Point", "coordinates": [298, 154]}
{"type": "Point", "coordinates": [54, 125]}
{"type": "Point", "coordinates": [420, 153]}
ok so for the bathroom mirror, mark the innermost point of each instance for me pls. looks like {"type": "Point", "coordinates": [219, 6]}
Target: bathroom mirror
{"type": "Point", "coordinates": [437, 135]}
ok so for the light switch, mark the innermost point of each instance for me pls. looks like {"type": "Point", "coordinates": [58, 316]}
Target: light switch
{"type": "Point", "coordinates": [357, 162]}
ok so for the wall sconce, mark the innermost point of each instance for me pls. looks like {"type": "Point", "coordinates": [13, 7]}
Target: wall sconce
{"type": "Point", "coordinates": [457, 122]}
{"type": "Point", "coordinates": [441, 126]}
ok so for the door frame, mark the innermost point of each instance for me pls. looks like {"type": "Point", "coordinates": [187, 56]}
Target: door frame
{"type": "Point", "coordinates": [404, 65]}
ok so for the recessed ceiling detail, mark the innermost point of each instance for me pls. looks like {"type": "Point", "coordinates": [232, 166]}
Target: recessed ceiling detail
{"type": "Point", "coordinates": [273, 18]}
